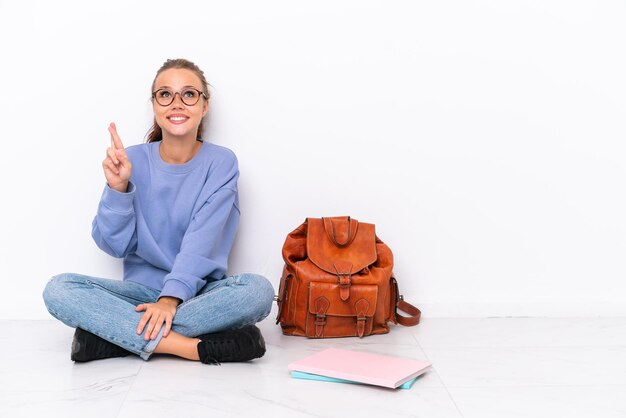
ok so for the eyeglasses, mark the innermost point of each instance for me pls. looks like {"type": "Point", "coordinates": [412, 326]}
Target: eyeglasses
{"type": "Point", "coordinates": [189, 96]}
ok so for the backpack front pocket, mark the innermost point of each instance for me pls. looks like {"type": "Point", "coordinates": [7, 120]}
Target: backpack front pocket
{"type": "Point", "coordinates": [330, 316]}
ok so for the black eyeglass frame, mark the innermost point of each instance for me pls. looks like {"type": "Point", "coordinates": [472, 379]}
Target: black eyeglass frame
{"type": "Point", "coordinates": [200, 93]}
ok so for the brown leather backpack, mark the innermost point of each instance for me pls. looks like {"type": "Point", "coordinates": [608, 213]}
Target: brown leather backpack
{"type": "Point", "coordinates": [338, 282]}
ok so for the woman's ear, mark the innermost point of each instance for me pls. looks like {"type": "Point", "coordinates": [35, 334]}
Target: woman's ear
{"type": "Point", "coordinates": [205, 108]}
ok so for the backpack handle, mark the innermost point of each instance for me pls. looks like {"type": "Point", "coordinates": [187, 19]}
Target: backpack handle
{"type": "Point", "coordinates": [341, 230]}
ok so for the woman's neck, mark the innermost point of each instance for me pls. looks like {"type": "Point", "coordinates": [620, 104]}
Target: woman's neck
{"type": "Point", "coordinates": [178, 151]}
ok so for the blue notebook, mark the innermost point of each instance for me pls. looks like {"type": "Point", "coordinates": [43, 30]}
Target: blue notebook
{"type": "Point", "coordinates": [309, 376]}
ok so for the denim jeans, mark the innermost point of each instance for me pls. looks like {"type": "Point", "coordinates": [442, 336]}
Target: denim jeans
{"type": "Point", "coordinates": [106, 307]}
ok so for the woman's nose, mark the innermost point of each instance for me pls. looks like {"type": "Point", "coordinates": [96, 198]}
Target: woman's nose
{"type": "Point", "coordinates": [178, 101]}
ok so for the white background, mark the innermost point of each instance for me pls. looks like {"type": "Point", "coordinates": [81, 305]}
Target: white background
{"type": "Point", "coordinates": [485, 139]}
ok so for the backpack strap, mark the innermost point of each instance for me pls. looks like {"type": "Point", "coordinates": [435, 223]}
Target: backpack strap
{"type": "Point", "coordinates": [414, 313]}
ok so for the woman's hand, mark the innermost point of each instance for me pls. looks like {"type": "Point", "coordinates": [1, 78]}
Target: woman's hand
{"type": "Point", "coordinates": [116, 165]}
{"type": "Point", "coordinates": [156, 314]}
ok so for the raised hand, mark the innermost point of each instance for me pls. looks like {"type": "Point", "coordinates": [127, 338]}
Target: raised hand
{"type": "Point", "coordinates": [117, 167]}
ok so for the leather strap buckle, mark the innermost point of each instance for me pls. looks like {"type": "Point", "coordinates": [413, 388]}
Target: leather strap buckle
{"type": "Point", "coordinates": [344, 279]}
{"type": "Point", "coordinates": [361, 307]}
{"type": "Point", "coordinates": [360, 326]}
{"type": "Point", "coordinates": [321, 306]}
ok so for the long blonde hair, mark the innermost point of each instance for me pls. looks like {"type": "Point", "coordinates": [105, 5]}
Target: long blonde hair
{"type": "Point", "coordinates": [155, 133]}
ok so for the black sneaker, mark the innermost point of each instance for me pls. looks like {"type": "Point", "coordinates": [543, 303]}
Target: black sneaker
{"type": "Point", "coordinates": [242, 344]}
{"type": "Point", "coordinates": [87, 346]}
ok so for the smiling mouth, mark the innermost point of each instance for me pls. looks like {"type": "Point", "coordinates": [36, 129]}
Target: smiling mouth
{"type": "Point", "coordinates": [177, 119]}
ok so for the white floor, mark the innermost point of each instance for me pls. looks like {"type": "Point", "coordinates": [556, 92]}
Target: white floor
{"type": "Point", "coordinates": [501, 367]}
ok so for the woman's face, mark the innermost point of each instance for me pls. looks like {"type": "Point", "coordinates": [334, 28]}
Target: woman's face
{"type": "Point", "coordinates": [178, 119]}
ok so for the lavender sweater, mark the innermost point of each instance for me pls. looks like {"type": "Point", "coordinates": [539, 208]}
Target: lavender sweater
{"type": "Point", "coordinates": [176, 224]}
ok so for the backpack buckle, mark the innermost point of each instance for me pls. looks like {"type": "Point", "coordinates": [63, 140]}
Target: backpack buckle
{"type": "Point", "coordinates": [344, 279]}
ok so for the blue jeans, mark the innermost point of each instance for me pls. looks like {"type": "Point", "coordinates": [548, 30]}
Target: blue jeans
{"type": "Point", "coordinates": [106, 307]}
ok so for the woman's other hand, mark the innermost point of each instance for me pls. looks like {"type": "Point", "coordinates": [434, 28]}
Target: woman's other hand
{"type": "Point", "coordinates": [155, 315]}
{"type": "Point", "coordinates": [117, 167]}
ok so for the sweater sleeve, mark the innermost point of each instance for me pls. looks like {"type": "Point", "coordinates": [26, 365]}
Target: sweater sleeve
{"type": "Point", "coordinates": [114, 227]}
{"type": "Point", "coordinates": [207, 242]}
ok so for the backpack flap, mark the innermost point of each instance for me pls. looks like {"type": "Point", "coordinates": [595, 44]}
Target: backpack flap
{"type": "Point", "coordinates": [341, 246]}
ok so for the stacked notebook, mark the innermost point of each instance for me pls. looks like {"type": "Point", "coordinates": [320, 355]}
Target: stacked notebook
{"type": "Point", "coordinates": [347, 366]}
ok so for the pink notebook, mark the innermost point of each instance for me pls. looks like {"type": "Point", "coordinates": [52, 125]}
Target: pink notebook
{"type": "Point", "coordinates": [374, 369]}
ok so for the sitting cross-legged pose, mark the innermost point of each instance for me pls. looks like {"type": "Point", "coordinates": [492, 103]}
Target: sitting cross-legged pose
{"type": "Point", "coordinates": [170, 208]}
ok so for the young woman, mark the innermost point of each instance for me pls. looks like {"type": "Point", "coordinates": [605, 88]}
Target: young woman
{"type": "Point", "coordinates": [170, 208]}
